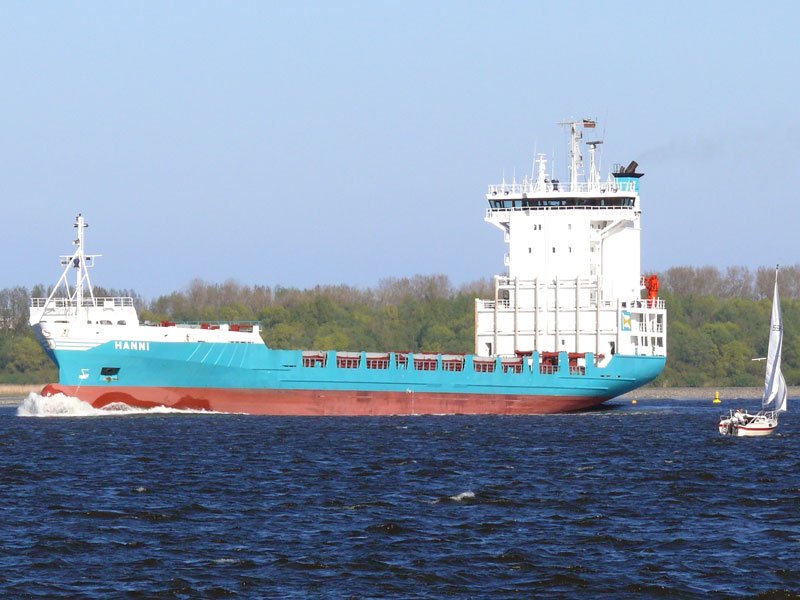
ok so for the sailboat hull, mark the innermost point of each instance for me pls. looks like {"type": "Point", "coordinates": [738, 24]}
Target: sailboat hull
{"type": "Point", "coordinates": [746, 431]}
{"type": "Point", "coordinates": [747, 425]}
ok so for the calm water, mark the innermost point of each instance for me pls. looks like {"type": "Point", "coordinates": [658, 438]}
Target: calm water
{"type": "Point", "coordinates": [646, 500]}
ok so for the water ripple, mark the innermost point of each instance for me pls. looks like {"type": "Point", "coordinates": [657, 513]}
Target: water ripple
{"type": "Point", "coordinates": [645, 501]}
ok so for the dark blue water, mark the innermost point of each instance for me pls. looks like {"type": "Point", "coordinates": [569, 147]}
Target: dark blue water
{"type": "Point", "coordinates": [646, 500]}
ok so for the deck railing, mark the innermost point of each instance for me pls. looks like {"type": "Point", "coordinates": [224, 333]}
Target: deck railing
{"type": "Point", "coordinates": [561, 187]}
{"type": "Point", "coordinates": [101, 302]}
{"type": "Point", "coordinates": [638, 303]}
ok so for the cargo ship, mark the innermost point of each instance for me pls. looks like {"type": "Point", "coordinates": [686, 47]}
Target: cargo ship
{"type": "Point", "coordinates": [571, 324]}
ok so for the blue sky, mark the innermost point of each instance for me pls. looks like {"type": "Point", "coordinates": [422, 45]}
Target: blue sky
{"type": "Point", "coordinates": [301, 143]}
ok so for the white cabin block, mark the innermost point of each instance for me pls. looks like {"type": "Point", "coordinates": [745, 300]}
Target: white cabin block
{"type": "Point", "coordinates": [574, 280]}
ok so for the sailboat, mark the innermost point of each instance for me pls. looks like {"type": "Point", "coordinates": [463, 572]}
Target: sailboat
{"type": "Point", "coordinates": [765, 421]}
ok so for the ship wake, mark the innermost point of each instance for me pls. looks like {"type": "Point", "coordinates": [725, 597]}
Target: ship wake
{"type": "Point", "coordinates": [59, 405]}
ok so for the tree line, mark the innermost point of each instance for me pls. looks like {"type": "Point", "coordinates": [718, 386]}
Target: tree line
{"type": "Point", "coordinates": [717, 320]}
{"type": "Point", "coordinates": [733, 282]}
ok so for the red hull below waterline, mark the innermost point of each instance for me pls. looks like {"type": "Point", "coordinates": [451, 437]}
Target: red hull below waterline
{"type": "Point", "coordinates": [323, 403]}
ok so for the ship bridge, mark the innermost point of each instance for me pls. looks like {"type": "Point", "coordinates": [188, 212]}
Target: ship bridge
{"type": "Point", "coordinates": [573, 280]}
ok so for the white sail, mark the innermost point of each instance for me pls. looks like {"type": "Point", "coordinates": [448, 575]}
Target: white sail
{"type": "Point", "coordinates": [774, 384]}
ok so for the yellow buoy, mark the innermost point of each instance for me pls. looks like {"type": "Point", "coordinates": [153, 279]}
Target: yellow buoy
{"type": "Point", "coordinates": [716, 398]}
{"type": "Point", "coordinates": [634, 401]}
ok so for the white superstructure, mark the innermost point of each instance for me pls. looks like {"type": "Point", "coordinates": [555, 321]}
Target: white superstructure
{"type": "Point", "coordinates": [573, 282]}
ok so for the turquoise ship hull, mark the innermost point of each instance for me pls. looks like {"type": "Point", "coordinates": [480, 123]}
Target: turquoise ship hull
{"type": "Point", "coordinates": [255, 379]}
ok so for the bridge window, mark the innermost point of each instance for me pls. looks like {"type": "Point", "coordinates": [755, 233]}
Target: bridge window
{"type": "Point", "coordinates": [527, 203]}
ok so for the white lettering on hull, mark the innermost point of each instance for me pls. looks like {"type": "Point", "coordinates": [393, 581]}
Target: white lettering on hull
{"type": "Point", "coordinates": [140, 346]}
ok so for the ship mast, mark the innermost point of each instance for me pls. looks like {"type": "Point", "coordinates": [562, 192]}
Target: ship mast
{"type": "Point", "coordinates": [575, 156]}
{"type": "Point", "coordinates": [80, 261]}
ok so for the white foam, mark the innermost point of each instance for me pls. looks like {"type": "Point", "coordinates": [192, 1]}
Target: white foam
{"type": "Point", "coordinates": [463, 496]}
{"type": "Point", "coordinates": [59, 405]}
